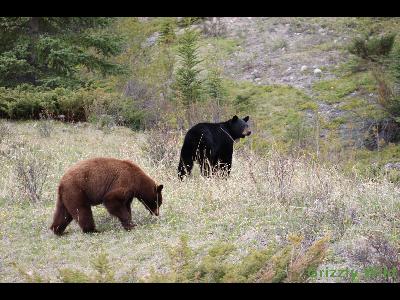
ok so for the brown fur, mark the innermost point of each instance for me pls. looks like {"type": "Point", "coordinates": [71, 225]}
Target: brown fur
{"type": "Point", "coordinates": [110, 181]}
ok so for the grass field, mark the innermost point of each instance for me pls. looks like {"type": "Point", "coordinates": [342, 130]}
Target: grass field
{"type": "Point", "coordinates": [264, 201]}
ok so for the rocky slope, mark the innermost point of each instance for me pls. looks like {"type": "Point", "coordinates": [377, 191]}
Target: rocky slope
{"type": "Point", "coordinates": [301, 52]}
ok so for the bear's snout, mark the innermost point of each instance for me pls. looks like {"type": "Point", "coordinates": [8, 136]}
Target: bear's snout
{"type": "Point", "coordinates": [155, 212]}
{"type": "Point", "coordinates": [246, 132]}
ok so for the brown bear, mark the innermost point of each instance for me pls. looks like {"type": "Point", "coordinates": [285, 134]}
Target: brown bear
{"type": "Point", "coordinates": [110, 181]}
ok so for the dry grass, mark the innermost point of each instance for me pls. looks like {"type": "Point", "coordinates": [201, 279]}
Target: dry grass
{"type": "Point", "coordinates": [264, 201]}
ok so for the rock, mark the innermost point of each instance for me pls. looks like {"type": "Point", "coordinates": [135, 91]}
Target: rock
{"type": "Point", "coordinates": [152, 40]}
{"type": "Point", "coordinates": [289, 69]}
{"type": "Point", "coordinates": [257, 79]}
{"type": "Point", "coordinates": [255, 73]}
{"type": "Point", "coordinates": [317, 72]}
{"type": "Point", "coordinates": [303, 68]}
{"type": "Point", "coordinates": [392, 166]}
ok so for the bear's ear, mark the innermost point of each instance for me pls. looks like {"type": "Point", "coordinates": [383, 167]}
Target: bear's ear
{"type": "Point", "coordinates": [159, 188]}
{"type": "Point", "coordinates": [246, 118]}
{"type": "Point", "coordinates": [235, 118]}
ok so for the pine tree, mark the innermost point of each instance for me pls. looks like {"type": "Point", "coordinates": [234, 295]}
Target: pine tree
{"type": "Point", "coordinates": [188, 84]}
{"type": "Point", "coordinates": [49, 51]}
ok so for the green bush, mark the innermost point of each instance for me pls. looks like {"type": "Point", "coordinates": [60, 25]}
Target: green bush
{"type": "Point", "coordinates": [84, 104]}
{"type": "Point", "coordinates": [290, 263]}
{"type": "Point", "coordinates": [372, 48]}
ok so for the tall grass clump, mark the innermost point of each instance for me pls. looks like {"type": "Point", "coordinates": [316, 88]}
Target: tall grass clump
{"type": "Point", "coordinates": [31, 171]}
{"type": "Point", "coordinates": [161, 147]}
{"type": "Point", "coordinates": [45, 126]}
{"type": "Point", "coordinates": [5, 131]}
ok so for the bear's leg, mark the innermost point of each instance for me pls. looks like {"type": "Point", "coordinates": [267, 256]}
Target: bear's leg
{"type": "Point", "coordinates": [205, 167]}
{"type": "Point", "coordinates": [78, 206]}
{"type": "Point", "coordinates": [128, 207]}
{"type": "Point", "coordinates": [120, 208]}
{"type": "Point", "coordinates": [61, 218]}
{"type": "Point", "coordinates": [224, 165]}
{"type": "Point", "coordinates": [85, 219]}
{"type": "Point", "coordinates": [206, 162]}
{"type": "Point", "coordinates": [185, 165]}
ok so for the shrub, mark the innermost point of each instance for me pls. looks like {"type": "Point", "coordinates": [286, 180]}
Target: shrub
{"type": "Point", "coordinates": [216, 92]}
{"type": "Point", "coordinates": [188, 21]}
{"type": "Point", "coordinates": [372, 48]}
{"type": "Point", "coordinates": [167, 32]}
{"type": "Point", "coordinates": [104, 270]}
{"type": "Point", "coordinates": [29, 276]}
{"type": "Point", "coordinates": [84, 104]}
{"type": "Point", "coordinates": [31, 173]}
{"type": "Point", "coordinates": [101, 265]}
{"type": "Point", "coordinates": [376, 254]}
{"type": "Point", "coordinates": [45, 126]}
{"type": "Point", "coordinates": [5, 130]}
{"type": "Point", "coordinates": [380, 55]}
{"type": "Point", "coordinates": [73, 276]}
{"type": "Point", "coordinates": [273, 264]}
{"type": "Point", "coordinates": [162, 147]}
{"type": "Point", "coordinates": [214, 27]}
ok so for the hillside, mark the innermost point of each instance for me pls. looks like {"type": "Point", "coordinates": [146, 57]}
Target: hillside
{"type": "Point", "coordinates": [283, 54]}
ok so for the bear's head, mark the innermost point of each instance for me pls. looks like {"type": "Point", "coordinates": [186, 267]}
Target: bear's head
{"type": "Point", "coordinates": [153, 201]}
{"type": "Point", "coordinates": [239, 127]}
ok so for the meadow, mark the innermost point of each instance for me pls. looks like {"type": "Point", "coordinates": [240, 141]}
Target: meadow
{"type": "Point", "coordinates": [274, 219]}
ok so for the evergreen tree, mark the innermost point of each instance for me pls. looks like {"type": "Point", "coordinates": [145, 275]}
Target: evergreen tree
{"type": "Point", "coordinates": [215, 88]}
{"type": "Point", "coordinates": [167, 32]}
{"type": "Point", "coordinates": [49, 51]}
{"type": "Point", "coordinates": [188, 85]}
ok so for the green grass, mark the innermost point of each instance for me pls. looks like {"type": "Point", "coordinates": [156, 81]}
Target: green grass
{"type": "Point", "coordinates": [362, 108]}
{"type": "Point", "coordinates": [277, 112]}
{"type": "Point", "coordinates": [218, 48]}
{"type": "Point", "coordinates": [333, 91]}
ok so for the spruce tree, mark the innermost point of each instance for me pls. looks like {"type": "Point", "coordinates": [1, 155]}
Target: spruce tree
{"type": "Point", "coordinates": [188, 86]}
{"type": "Point", "coordinates": [167, 32]}
{"type": "Point", "coordinates": [187, 76]}
{"type": "Point", "coordinates": [49, 51]}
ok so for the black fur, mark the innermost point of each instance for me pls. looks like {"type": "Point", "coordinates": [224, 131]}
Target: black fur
{"type": "Point", "coordinates": [211, 145]}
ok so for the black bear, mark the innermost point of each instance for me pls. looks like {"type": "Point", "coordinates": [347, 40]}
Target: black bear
{"type": "Point", "coordinates": [110, 181]}
{"type": "Point", "coordinates": [211, 145]}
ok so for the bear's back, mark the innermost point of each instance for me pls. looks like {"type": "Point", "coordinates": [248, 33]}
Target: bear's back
{"type": "Point", "coordinates": [97, 176]}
